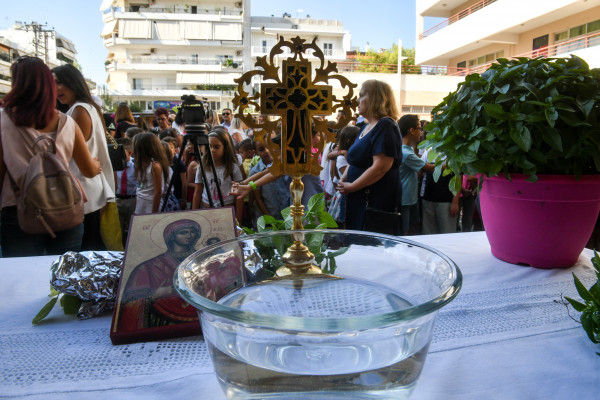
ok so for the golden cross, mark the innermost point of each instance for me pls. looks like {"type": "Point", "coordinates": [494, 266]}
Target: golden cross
{"type": "Point", "coordinates": [296, 100]}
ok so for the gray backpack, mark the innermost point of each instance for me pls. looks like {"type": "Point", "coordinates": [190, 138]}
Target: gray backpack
{"type": "Point", "coordinates": [50, 198]}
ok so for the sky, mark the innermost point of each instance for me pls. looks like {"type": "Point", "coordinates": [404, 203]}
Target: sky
{"type": "Point", "coordinates": [380, 23]}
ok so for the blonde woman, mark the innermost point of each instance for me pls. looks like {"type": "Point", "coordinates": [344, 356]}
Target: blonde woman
{"type": "Point", "coordinates": [374, 157]}
{"type": "Point", "coordinates": [237, 130]}
{"type": "Point", "coordinates": [124, 119]}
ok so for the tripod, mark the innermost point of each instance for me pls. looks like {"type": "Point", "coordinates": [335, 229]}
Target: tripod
{"type": "Point", "coordinates": [199, 140]}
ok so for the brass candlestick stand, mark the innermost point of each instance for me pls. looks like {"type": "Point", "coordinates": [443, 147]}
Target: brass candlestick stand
{"type": "Point", "coordinates": [300, 102]}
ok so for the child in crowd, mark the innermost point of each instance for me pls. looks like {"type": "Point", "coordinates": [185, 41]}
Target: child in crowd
{"type": "Point", "coordinates": [131, 132]}
{"type": "Point", "coordinates": [152, 172]}
{"type": "Point", "coordinates": [179, 178]}
{"type": "Point", "coordinates": [246, 149]}
{"type": "Point", "coordinates": [173, 203]}
{"type": "Point", "coordinates": [125, 186]}
{"type": "Point", "coordinates": [410, 127]}
{"type": "Point", "coordinates": [274, 196]}
{"type": "Point", "coordinates": [227, 169]}
{"type": "Point", "coordinates": [347, 136]}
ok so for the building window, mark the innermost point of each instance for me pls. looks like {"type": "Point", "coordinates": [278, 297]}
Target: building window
{"type": "Point", "coordinates": [137, 84]}
{"type": "Point", "coordinates": [560, 36]}
{"type": "Point", "coordinates": [577, 31]}
{"type": "Point", "coordinates": [499, 54]}
{"type": "Point", "coordinates": [593, 26]}
{"type": "Point", "coordinates": [264, 46]}
{"type": "Point", "coordinates": [328, 49]}
{"type": "Point", "coordinates": [462, 64]}
{"type": "Point", "coordinates": [472, 63]}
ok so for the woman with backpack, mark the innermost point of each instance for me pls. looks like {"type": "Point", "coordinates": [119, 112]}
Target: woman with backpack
{"type": "Point", "coordinates": [28, 112]}
{"type": "Point", "coordinates": [73, 94]}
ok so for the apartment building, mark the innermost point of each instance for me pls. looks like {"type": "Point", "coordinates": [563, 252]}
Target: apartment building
{"type": "Point", "coordinates": [471, 34]}
{"type": "Point", "coordinates": [161, 50]}
{"type": "Point", "coordinates": [32, 40]}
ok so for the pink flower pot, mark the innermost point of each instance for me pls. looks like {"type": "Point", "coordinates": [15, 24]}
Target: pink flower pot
{"type": "Point", "coordinates": [545, 224]}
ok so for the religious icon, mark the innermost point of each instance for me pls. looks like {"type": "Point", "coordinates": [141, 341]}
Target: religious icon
{"type": "Point", "coordinates": [148, 307]}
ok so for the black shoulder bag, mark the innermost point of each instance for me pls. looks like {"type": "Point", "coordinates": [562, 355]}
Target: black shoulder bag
{"type": "Point", "coordinates": [116, 153]}
{"type": "Point", "coordinates": [378, 221]}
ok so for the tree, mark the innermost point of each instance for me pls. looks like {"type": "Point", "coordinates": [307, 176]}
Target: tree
{"type": "Point", "coordinates": [107, 99]}
{"type": "Point", "coordinates": [385, 61]}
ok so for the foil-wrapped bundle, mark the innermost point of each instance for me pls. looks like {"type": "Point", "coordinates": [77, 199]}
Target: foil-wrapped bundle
{"type": "Point", "coordinates": [91, 276]}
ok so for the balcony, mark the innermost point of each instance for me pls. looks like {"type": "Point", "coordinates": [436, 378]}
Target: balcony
{"type": "Point", "coordinates": [174, 12]}
{"type": "Point", "coordinates": [167, 91]}
{"type": "Point", "coordinates": [462, 14]}
{"type": "Point", "coordinates": [336, 54]}
{"type": "Point", "coordinates": [562, 49]}
{"type": "Point", "coordinates": [176, 63]}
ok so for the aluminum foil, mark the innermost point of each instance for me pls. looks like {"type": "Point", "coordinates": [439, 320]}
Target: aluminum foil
{"type": "Point", "coordinates": [91, 276]}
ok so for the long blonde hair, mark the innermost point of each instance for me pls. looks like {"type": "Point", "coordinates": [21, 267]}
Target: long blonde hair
{"type": "Point", "coordinates": [382, 102]}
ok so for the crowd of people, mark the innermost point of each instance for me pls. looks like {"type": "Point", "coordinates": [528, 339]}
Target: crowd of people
{"type": "Point", "coordinates": [374, 163]}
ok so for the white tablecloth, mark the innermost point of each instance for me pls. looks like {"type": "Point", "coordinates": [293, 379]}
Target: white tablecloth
{"type": "Point", "coordinates": [506, 336]}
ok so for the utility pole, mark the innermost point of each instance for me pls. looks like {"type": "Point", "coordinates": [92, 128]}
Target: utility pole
{"type": "Point", "coordinates": [40, 37]}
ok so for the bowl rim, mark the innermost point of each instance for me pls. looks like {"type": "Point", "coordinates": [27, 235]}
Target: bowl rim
{"type": "Point", "coordinates": [315, 324]}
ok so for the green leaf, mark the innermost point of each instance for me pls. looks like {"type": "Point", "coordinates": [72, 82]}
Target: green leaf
{"type": "Point", "coordinates": [583, 292]}
{"type": "Point", "coordinates": [502, 89]}
{"type": "Point", "coordinates": [44, 311]}
{"type": "Point", "coordinates": [316, 203]}
{"type": "Point", "coordinates": [494, 111]}
{"type": "Point", "coordinates": [588, 325]}
{"type": "Point", "coordinates": [576, 305]}
{"type": "Point", "coordinates": [455, 184]}
{"type": "Point", "coordinates": [53, 292]}
{"type": "Point", "coordinates": [521, 136]}
{"type": "Point", "coordinates": [327, 220]}
{"type": "Point", "coordinates": [314, 240]}
{"type": "Point", "coordinates": [70, 304]}
{"type": "Point", "coordinates": [553, 138]}
{"type": "Point", "coordinates": [248, 231]}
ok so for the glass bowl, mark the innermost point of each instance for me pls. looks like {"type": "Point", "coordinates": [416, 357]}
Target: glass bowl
{"type": "Point", "coordinates": [361, 329]}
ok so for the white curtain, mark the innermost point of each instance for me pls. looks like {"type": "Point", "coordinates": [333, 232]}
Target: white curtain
{"type": "Point", "coordinates": [167, 30]}
{"type": "Point", "coordinates": [197, 30]}
{"type": "Point", "coordinates": [224, 31]}
{"type": "Point", "coordinates": [135, 29]}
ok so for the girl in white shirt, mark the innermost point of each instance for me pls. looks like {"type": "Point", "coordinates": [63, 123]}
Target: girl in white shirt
{"type": "Point", "coordinates": [228, 171]}
{"type": "Point", "coordinates": [152, 171]}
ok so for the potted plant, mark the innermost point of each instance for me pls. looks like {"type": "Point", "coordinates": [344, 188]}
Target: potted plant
{"type": "Point", "coordinates": [530, 128]}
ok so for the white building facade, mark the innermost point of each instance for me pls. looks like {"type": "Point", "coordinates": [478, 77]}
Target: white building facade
{"type": "Point", "coordinates": [474, 33]}
{"type": "Point", "coordinates": [32, 40]}
{"type": "Point", "coordinates": [159, 50]}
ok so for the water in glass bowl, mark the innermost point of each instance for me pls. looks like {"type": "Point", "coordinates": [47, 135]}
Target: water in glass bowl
{"type": "Point", "coordinates": [254, 362]}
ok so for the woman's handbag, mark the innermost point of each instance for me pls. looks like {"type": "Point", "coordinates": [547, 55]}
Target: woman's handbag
{"type": "Point", "coordinates": [335, 208]}
{"type": "Point", "coordinates": [378, 221]}
{"type": "Point", "coordinates": [116, 152]}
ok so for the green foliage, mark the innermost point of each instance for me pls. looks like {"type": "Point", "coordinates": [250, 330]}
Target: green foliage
{"type": "Point", "coordinates": [590, 308]}
{"type": "Point", "coordinates": [70, 305]}
{"type": "Point", "coordinates": [272, 249]}
{"type": "Point", "coordinates": [218, 86]}
{"type": "Point", "coordinates": [529, 116]}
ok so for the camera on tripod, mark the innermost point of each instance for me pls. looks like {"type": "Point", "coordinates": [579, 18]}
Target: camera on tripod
{"type": "Point", "coordinates": [196, 133]}
{"type": "Point", "coordinates": [194, 116]}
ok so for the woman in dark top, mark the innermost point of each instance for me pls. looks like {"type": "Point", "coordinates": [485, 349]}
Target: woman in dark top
{"type": "Point", "coordinates": [124, 120]}
{"type": "Point", "coordinates": [374, 157]}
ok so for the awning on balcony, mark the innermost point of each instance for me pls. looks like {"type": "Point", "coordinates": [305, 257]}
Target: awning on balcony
{"type": "Point", "coordinates": [109, 28]}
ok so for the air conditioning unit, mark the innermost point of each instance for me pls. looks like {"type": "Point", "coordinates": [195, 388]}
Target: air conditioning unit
{"type": "Point", "coordinates": [152, 51]}
{"type": "Point", "coordinates": [238, 52]}
{"type": "Point", "coordinates": [238, 4]}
